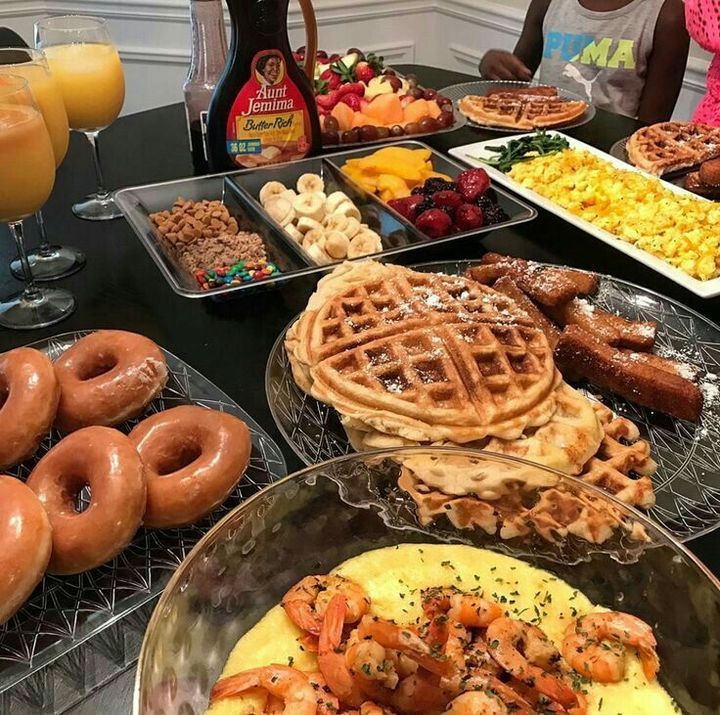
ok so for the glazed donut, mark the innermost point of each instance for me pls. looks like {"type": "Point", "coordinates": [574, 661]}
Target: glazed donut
{"type": "Point", "coordinates": [29, 396]}
{"type": "Point", "coordinates": [106, 378]}
{"type": "Point", "coordinates": [107, 462]}
{"type": "Point", "coordinates": [25, 544]}
{"type": "Point", "coordinates": [194, 457]}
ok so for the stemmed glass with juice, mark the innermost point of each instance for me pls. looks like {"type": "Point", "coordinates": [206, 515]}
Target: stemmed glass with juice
{"type": "Point", "coordinates": [27, 175]}
{"type": "Point", "coordinates": [48, 262]}
{"type": "Point", "coordinates": [86, 64]}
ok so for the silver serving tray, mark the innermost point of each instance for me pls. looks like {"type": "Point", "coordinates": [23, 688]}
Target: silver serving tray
{"type": "Point", "coordinates": [239, 192]}
{"type": "Point", "coordinates": [481, 87]}
{"type": "Point", "coordinates": [687, 482]}
{"type": "Point", "coordinates": [64, 622]}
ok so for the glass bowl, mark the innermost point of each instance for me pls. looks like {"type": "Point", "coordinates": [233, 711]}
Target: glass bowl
{"type": "Point", "coordinates": [312, 521]}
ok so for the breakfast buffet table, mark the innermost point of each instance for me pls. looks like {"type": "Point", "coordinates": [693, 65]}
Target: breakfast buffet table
{"type": "Point", "coordinates": [228, 340]}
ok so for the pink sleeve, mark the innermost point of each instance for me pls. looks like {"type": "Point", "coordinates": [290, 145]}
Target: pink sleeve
{"type": "Point", "coordinates": [703, 22]}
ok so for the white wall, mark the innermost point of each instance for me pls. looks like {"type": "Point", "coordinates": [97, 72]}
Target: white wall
{"type": "Point", "coordinates": [154, 36]}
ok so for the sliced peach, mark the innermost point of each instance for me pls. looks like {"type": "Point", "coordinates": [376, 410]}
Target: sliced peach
{"type": "Point", "coordinates": [344, 116]}
{"type": "Point", "coordinates": [416, 111]}
{"type": "Point", "coordinates": [386, 108]}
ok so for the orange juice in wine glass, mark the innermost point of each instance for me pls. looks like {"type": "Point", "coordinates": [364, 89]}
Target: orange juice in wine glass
{"type": "Point", "coordinates": [31, 65]}
{"type": "Point", "coordinates": [87, 66]}
{"type": "Point", "coordinates": [48, 261]}
{"type": "Point", "coordinates": [92, 81]}
{"type": "Point", "coordinates": [27, 175]}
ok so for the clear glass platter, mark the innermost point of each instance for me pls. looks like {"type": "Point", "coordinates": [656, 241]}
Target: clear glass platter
{"type": "Point", "coordinates": [66, 612]}
{"type": "Point", "coordinates": [687, 481]}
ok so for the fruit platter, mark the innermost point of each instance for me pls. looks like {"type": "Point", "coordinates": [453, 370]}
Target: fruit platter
{"type": "Point", "coordinates": [360, 100]}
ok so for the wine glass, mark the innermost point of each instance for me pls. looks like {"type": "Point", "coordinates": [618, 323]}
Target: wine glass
{"type": "Point", "coordinates": [27, 175]}
{"type": "Point", "coordinates": [87, 66]}
{"type": "Point", "coordinates": [48, 262]}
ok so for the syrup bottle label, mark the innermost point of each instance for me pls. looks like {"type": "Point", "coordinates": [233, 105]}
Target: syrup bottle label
{"type": "Point", "coordinates": [268, 122]}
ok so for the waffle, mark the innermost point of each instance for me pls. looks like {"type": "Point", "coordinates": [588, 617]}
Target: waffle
{"type": "Point", "coordinates": [426, 357]}
{"type": "Point", "coordinates": [529, 502]}
{"type": "Point", "coordinates": [670, 146]}
{"type": "Point", "coordinates": [571, 437]}
{"type": "Point", "coordinates": [518, 111]}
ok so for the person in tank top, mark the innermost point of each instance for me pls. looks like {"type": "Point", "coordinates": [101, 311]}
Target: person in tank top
{"type": "Point", "coordinates": [626, 56]}
{"type": "Point", "coordinates": [703, 22]}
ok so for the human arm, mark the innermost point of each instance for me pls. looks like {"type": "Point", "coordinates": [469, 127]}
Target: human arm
{"type": "Point", "coordinates": [522, 63]}
{"type": "Point", "coordinates": [666, 65]}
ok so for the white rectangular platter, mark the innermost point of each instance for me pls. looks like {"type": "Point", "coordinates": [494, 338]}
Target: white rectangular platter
{"type": "Point", "coordinates": [471, 153]}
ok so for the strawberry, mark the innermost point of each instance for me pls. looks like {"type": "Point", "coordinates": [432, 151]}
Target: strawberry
{"type": "Point", "coordinates": [327, 101]}
{"type": "Point", "coordinates": [473, 183]}
{"type": "Point", "coordinates": [448, 200]}
{"type": "Point", "coordinates": [434, 223]}
{"type": "Point", "coordinates": [357, 88]}
{"type": "Point", "coordinates": [406, 206]}
{"type": "Point", "coordinates": [298, 57]}
{"type": "Point", "coordinates": [364, 72]}
{"type": "Point", "coordinates": [352, 101]}
{"type": "Point", "coordinates": [333, 58]}
{"type": "Point", "coordinates": [468, 217]}
{"type": "Point", "coordinates": [332, 78]}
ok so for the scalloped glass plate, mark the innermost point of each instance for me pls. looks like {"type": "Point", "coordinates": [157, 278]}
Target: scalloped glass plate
{"type": "Point", "coordinates": [66, 611]}
{"type": "Point", "coordinates": [687, 481]}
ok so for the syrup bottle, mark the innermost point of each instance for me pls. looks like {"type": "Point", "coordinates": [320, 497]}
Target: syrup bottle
{"type": "Point", "coordinates": [263, 109]}
{"type": "Point", "coordinates": [209, 54]}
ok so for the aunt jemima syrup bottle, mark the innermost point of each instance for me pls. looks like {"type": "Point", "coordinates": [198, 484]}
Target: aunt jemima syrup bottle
{"type": "Point", "coordinates": [263, 109]}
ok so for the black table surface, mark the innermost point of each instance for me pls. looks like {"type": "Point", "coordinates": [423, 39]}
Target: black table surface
{"type": "Point", "coordinates": [229, 340]}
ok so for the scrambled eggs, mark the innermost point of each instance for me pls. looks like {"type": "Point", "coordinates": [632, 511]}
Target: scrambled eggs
{"type": "Point", "coordinates": [393, 578]}
{"type": "Point", "coordinates": [682, 230]}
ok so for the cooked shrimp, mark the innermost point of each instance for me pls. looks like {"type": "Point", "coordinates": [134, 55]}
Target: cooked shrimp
{"type": "Point", "coordinates": [467, 608]}
{"type": "Point", "coordinates": [419, 693]}
{"type": "Point", "coordinates": [368, 708]}
{"type": "Point", "coordinates": [331, 658]}
{"type": "Point", "coordinates": [478, 702]}
{"type": "Point", "coordinates": [405, 640]}
{"type": "Point", "coordinates": [306, 602]}
{"type": "Point", "coordinates": [327, 703]}
{"type": "Point", "coordinates": [368, 660]}
{"type": "Point", "coordinates": [526, 653]}
{"type": "Point", "coordinates": [279, 681]}
{"type": "Point", "coordinates": [485, 681]}
{"type": "Point", "coordinates": [595, 646]}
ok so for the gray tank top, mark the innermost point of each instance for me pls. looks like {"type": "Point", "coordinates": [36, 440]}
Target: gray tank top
{"type": "Point", "coordinates": [601, 56]}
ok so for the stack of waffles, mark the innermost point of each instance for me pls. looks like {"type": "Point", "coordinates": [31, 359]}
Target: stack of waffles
{"type": "Point", "coordinates": [670, 146]}
{"type": "Point", "coordinates": [410, 358]}
{"type": "Point", "coordinates": [518, 110]}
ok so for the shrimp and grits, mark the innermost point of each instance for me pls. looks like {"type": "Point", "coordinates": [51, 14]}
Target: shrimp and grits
{"type": "Point", "coordinates": [433, 628]}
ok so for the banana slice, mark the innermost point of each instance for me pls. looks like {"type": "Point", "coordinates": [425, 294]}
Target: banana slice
{"type": "Point", "coordinates": [312, 237]}
{"type": "Point", "coordinates": [334, 200]}
{"type": "Point", "coordinates": [310, 206]}
{"type": "Point", "coordinates": [272, 188]}
{"type": "Point", "coordinates": [288, 194]}
{"type": "Point", "coordinates": [293, 233]}
{"type": "Point", "coordinates": [336, 222]}
{"type": "Point", "coordinates": [281, 210]}
{"type": "Point", "coordinates": [306, 224]}
{"type": "Point", "coordinates": [352, 227]}
{"type": "Point", "coordinates": [365, 243]}
{"type": "Point", "coordinates": [318, 255]}
{"type": "Point", "coordinates": [336, 244]}
{"type": "Point", "coordinates": [310, 184]}
{"type": "Point", "coordinates": [349, 209]}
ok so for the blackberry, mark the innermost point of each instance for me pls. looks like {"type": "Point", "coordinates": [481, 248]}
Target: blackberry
{"type": "Point", "coordinates": [434, 185]}
{"type": "Point", "coordinates": [425, 205]}
{"type": "Point", "coordinates": [419, 191]}
{"type": "Point", "coordinates": [494, 214]}
{"type": "Point", "coordinates": [484, 202]}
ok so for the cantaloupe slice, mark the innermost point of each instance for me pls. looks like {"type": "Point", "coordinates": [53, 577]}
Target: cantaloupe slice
{"type": "Point", "coordinates": [415, 111]}
{"type": "Point", "coordinates": [386, 109]}
{"type": "Point", "coordinates": [434, 109]}
{"type": "Point", "coordinates": [361, 120]}
{"type": "Point", "coordinates": [344, 116]}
